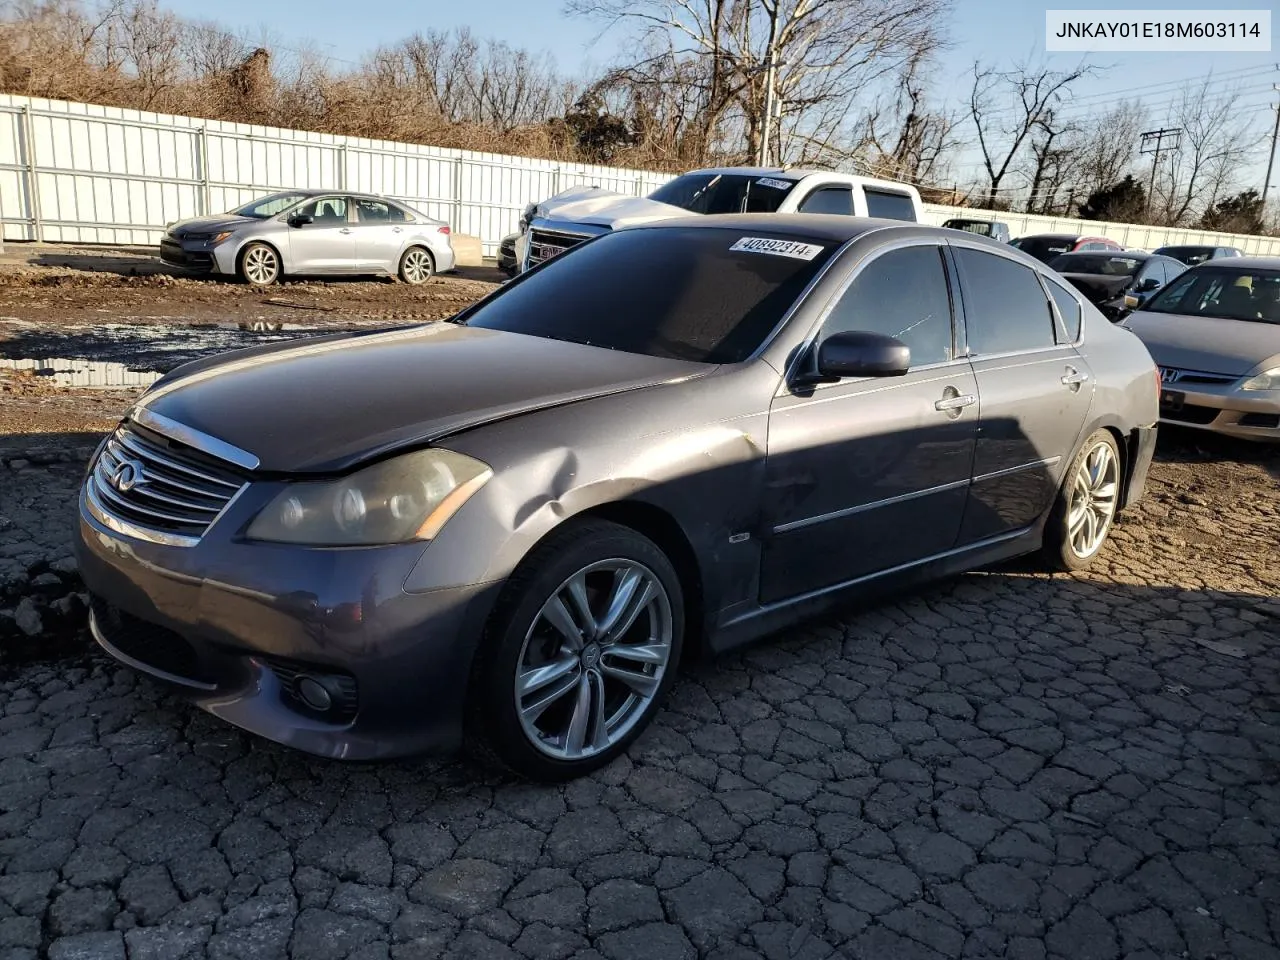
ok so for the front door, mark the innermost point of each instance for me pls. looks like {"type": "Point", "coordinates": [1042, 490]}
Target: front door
{"type": "Point", "coordinates": [326, 244]}
{"type": "Point", "coordinates": [1035, 391]}
{"type": "Point", "coordinates": [870, 474]}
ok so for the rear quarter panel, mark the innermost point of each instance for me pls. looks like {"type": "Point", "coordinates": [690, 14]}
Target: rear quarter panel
{"type": "Point", "coordinates": [1126, 393]}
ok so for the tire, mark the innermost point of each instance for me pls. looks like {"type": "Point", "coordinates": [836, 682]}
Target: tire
{"type": "Point", "coordinates": [555, 732]}
{"type": "Point", "coordinates": [416, 266]}
{"type": "Point", "coordinates": [1073, 538]}
{"type": "Point", "coordinates": [259, 265]}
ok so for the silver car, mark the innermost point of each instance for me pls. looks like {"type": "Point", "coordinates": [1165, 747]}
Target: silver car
{"type": "Point", "coordinates": [312, 232]}
{"type": "Point", "coordinates": [1215, 334]}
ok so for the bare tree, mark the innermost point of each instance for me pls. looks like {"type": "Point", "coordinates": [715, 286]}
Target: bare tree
{"type": "Point", "coordinates": [1007, 107]}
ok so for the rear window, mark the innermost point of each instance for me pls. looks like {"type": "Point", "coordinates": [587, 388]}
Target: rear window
{"type": "Point", "coordinates": [711, 193]}
{"type": "Point", "coordinates": [1101, 264]}
{"type": "Point", "coordinates": [1068, 309]}
{"type": "Point", "coordinates": [889, 205]}
{"type": "Point", "coordinates": [679, 292]}
{"type": "Point", "coordinates": [1045, 248]}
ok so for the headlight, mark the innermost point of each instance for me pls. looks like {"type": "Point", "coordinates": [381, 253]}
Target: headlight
{"type": "Point", "coordinates": [219, 237]}
{"type": "Point", "coordinates": [1266, 380]}
{"type": "Point", "coordinates": [407, 498]}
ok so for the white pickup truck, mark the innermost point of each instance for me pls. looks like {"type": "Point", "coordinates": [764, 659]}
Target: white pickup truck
{"type": "Point", "coordinates": [579, 213]}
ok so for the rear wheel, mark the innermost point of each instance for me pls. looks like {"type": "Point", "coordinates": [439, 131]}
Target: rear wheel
{"type": "Point", "coordinates": [1086, 506]}
{"type": "Point", "coordinates": [579, 655]}
{"type": "Point", "coordinates": [259, 265]}
{"type": "Point", "coordinates": [416, 266]}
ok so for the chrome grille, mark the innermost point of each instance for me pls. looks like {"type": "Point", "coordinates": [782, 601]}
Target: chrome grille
{"type": "Point", "coordinates": [1176, 375]}
{"type": "Point", "coordinates": [157, 485]}
{"type": "Point", "coordinates": [545, 244]}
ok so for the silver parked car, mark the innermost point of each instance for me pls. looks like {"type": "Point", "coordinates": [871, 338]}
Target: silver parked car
{"type": "Point", "coordinates": [1215, 333]}
{"type": "Point", "coordinates": [312, 232]}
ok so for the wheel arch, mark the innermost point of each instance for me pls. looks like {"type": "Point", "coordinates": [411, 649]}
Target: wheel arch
{"type": "Point", "coordinates": [275, 247]}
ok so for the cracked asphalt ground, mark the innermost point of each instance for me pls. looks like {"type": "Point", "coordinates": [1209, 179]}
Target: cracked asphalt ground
{"type": "Point", "coordinates": [1009, 765]}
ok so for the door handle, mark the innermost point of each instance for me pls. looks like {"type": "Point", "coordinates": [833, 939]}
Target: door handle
{"type": "Point", "coordinates": [1074, 377]}
{"type": "Point", "coordinates": [397, 229]}
{"type": "Point", "coordinates": [958, 402]}
{"type": "Point", "coordinates": [345, 230]}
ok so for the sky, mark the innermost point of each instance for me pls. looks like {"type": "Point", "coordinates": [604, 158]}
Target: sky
{"type": "Point", "coordinates": [1001, 32]}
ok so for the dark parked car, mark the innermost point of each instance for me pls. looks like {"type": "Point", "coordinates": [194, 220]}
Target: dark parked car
{"type": "Point", "coordinates": [507, 255]}
{"type": "Point", "coordinates": [983, 228]}
{"type": "Point", "coordinates": [1194, 255]}
{"type": "Point", "coordinates": [1117, 282]}
{"type": "Point", "coordinates": [514, 523]}
{"type": "Point", "coordinates": [1045, 246]}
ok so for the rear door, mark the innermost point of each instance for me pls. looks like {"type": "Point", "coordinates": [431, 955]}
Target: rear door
{"type": "Point", "coordinates": [1034, 388]}
{"type": "Point", "coordinates": [864, 475]}
{"type": "Point", "coordinates": [379, 232]}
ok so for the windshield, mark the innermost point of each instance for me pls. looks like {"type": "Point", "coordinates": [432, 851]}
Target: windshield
{"type": "Point", "coordinates": [724, 193]}
{"type": "Point", "coordinates": [1190, 255]}
{"type": "Point", "coordinates": [716, 297]}
{"type": "Point", "coordinates": [1232, 294]}
{"type": "Point", "coordinates": [1045, 248]}
{"type": "Point", "coordinates": [265, 207]}
{"type": "Point", "coordinates": [983, 228]}
{"type": "Point", "coordinates": [1103, 264]}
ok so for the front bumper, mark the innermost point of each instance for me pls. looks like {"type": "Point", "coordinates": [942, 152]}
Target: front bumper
{"type": "Point", "coordinates": [198, 256]}
{"type": "Point", "coordinates": [233, 624]}
{"type": "Point", "coordinates": [1222, 409]}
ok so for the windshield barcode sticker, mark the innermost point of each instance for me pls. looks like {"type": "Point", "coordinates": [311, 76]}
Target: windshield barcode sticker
{"type": "Point", "coordinates": [779, 248]}
{"type": "Point", "coordinates": [776, 184]}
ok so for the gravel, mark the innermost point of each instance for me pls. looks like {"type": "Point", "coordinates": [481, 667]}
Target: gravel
{"type": "Point", "coordinates": [1009, 765]}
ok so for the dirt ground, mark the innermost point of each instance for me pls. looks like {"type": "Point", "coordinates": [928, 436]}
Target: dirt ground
{"type": "Point", "coordinates": [109, 313]}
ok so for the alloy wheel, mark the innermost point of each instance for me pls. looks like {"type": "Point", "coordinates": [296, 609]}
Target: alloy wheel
{"type": "Point", "coordinates": [417, 266]}
{"type": "Point", "coordinates": [261, 266]}
{"type": "Point", "coordinates": [593, 659]}
{"type": "Point", "coordinates": [1093, 500]}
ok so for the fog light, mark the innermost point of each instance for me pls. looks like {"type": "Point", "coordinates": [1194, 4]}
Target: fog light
{"type": "Point", "coordinates": [313, 693]}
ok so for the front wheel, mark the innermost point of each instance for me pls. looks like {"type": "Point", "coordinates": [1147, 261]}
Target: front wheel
{"type": "Point", "coordinates": [579, 654]}
{"type": "Point", "coordinates": [259, 265]}
{"type": "Point", "coordinates": [1086, 506]}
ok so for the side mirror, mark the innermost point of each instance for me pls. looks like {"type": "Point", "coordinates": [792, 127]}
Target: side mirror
{"type": "Point", "coordinates": [857, 353]}
{"type": "Point", "coordinates": [1147, 285]}
{"type": "Point", "coordinates": [300, 220]}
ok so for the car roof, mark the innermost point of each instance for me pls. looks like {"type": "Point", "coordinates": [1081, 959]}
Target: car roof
{"type": "Point", "coordinates": [831, 227]}
{"type": "Point", "coordinates": [1051, 236]}
{"type": "Point", "coordinates": [1131, 254]}
{"type": "Point", "coordinates": [1241, 264]}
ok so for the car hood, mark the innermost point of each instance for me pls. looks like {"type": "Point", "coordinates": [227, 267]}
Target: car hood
{"type": "Point", "coordinates": [1097, 287]}
{"type": "Point", "coordinates": [214, 224]}
{"type": "Point", "coordinates": [1207, 344]}
{"type": "Point", "coordinates": [605, 208]}
{"type": "Point", "coordinates": [323, 405]}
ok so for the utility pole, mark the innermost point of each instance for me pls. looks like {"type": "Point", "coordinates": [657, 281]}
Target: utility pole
{"type": "Point", "coordinates": [766, 128]}
{"type": "Point", "coordinates": [1271, 158]}
{"type": "Point", "coordinates": [1153, 142]}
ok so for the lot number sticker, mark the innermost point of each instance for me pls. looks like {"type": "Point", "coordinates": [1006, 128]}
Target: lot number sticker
{"type": "Point", "coordinates": [779, 248]}
{"type": "Point", "coordinates": [776, 184]}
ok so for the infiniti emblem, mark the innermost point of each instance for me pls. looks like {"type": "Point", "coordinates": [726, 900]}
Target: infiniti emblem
{"type": "Point", "coordinates": [126, 474]}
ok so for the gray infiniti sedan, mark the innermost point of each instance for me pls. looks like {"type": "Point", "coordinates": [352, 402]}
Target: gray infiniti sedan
{"type": "Point", "coordinates": [1215, 332]}
{"type": "Point", "coordinates": [515, 523]}
{"type": "Point", "coordinates": [312, 233]}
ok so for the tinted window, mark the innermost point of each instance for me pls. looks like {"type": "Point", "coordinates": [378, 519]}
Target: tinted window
{"type": "Point", "coordinates": [1045, 248]}
{"type": "Point", "coordinates": [326, 210]}
{"type": "Point", "coordinates": [889, 205]}
{"type": "Point", "coordinates": [1102, 264]}
{"type": "Point", "coordinates": [711, 304]}
{"type": "Point", "coordinates": [1188, 255]}
{"type": "Point", "coordinates": [1232, 294]}
{"type": "Point", "coordinates": [829, 200]}
{"type": "Point", "coordinates": [1004, 308]}
{"type": "Point", "coordinates": [1068, 309]}
{"type": "Point", "coordinates": [724, 193]}
{"type": "Point", "coordinates": [902, 293]}
{"type": "Point", "coordinates": [983, 228]}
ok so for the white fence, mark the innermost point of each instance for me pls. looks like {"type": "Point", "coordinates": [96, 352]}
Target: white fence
{"type": "Point", "coordinates": [79, 173]}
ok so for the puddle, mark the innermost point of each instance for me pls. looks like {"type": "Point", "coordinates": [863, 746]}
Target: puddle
{"type": "Point", "coordinates": [85, 374]}
{"type": "Point", "coordinates": [139, 349]}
